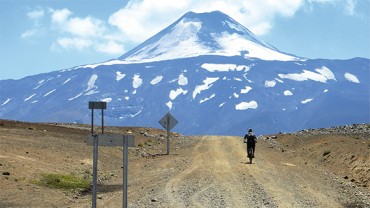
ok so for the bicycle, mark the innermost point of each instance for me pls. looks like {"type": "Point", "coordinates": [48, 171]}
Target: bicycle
{"type": "Point", "coordinates": [250, 154]}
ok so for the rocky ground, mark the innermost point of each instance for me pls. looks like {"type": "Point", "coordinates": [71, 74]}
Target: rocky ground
{"type": "Point", "coordinates": [310, 168]}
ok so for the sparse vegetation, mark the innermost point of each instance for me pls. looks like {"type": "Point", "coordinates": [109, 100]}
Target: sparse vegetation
{"type": "Point", "coordinates": [66, 182]}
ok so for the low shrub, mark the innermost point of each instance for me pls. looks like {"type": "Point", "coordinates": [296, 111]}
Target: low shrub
{"type": "Point", "coordinates": [66, 182]}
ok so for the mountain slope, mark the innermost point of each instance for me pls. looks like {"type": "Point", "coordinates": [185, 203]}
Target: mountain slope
{"type": "Point", "coordinates": [210, 91]}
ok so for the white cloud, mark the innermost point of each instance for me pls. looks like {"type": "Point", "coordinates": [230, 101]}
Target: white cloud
{"type": "Point", "coordinates": [82, 33]}
{"type": "Point", "coordinates": [60, 16]}
{"type": "Point", "coordinates": [85, 26]}
{"type": "Point", "coordinates": [111, 47]}
{"type": "Point", "coordinates": [36, 17]}
{"type": "Point", "coordinates": [73, 43]}
{"type": "Point", "coordinates": [35, 14]}
{"type": "Point", "coordinates": [29, 33]}
{"type": "Point", "coordinates": [350, 7]}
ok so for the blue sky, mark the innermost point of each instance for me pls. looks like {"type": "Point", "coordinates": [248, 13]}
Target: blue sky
{"type": "Point", "coordinates": [38, 36]}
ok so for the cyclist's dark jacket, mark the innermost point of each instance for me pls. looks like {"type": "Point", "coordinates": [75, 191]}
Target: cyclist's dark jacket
{"type": "Point", "coordinates": [251, 138]}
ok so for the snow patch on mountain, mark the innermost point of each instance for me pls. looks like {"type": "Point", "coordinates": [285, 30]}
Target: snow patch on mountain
{"type": "Point", "coordinates": [77, 96]}
{"type": "Point", "coordinates": [306, 100]}
{"type": "Point", "coordinates": [246, 90]}
{"type": "Point", "coordinates": [31, 96]}
{"type": "Point", "coordinates": [271, 83]}
{"type": "Point", "coordinates": [288, 93]}
{"type": "Point", "coordinates": [65, 82]}
{"type": "Point", "coordinates": [352, 78]}
{"type": "Point", "coordinates": [91, 87]}
{"type": "Point", "coordinates": [174, 93]}
{"type": "Point", "coordinates": [119, 75]}
{"type": "Point", "coordinates": [40, 83]}
{"type": "Point", "coordinates": [246, 105]}
{"type": "Point", "coordinates": [108, 100]}
{"type": "Point", "coordinates": [182, 80]}
{"type": "Point", "coordinates": [324, 75]}
{"type": "Point", "coordinates": [91, 82]}
{"type": "Point", "coordinates": [224, 67]}
{"type": "Point", "coordinates": [207, 84]}
{"type": "Point", "coordinates": [249, 48]}
{"type": "Point", "coordinates": [279, 80]}
{"type": "Point", "coordinates": [222, 104]}
{"type": "Point", "coordinates": [6, 101]}
{"type": "Point", "coordinates": [326, 72]}
{"type": "Point", "coordinates": [206, 99]}
{"type": "Point", "coordinates": [48, 93]}
{"type": "Point", "coordinates": [169, 105]}
{"type": "Point", "coordinates": [156, 80]}
{"type": "Point", "coordinates": [93, 66]}
{"type": "Point", "coordinates": [136, 81]}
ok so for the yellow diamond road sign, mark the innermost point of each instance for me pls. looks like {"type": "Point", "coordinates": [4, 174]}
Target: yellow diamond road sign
{"type": "Point", "coordinates": [168, 121]}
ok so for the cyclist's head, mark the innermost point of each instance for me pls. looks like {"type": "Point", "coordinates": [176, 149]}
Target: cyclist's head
{"type": "Point", "coordinates": [250, 130]}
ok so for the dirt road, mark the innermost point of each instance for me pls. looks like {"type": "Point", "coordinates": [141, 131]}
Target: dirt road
{"type": "Point", "coordinates": [201, 171]}
{"type": "Point", "coordinates": [215, 173]}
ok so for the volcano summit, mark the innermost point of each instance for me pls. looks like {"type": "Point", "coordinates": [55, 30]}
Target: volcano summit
{"type": "Point", "coordinates": [196, 35]}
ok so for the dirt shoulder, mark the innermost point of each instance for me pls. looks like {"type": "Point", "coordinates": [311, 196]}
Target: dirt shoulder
{"type": "Point", "coordinates": [204, 171]}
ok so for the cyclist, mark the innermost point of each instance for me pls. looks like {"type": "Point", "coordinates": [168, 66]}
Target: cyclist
{"type": "Point", "coordinates": [251, 141]}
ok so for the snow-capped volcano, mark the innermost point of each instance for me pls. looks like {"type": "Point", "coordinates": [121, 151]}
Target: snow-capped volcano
{"type": "Point", "coordinates": [211, 73]}
{"type": "Point", "coordinates": [203, 34]}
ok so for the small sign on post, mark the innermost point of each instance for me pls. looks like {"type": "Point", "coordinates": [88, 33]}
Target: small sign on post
{"type": "Point", "coordinates": [97, 105]}
{"type": "Point", "coordinates": [168, 122]}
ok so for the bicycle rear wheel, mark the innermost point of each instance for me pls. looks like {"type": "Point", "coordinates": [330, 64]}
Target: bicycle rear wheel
{"type": "Point", "coordinates": [250, 155]}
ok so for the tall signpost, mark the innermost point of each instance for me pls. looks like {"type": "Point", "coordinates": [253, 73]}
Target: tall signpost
{"type": "Point", "coordinates": [97, 105]}
{"type": "Point", "coordinates": [168, 122]}
{"type": "Point", "coordinates": [93, 106]}
{"type": "Point", "coordinates": [108, 140]}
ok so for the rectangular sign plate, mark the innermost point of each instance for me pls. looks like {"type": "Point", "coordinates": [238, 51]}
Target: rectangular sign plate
{"type": "Point", "coordinates": [112, 140]}
{"type": "Point", "coordinates": [97, 105]}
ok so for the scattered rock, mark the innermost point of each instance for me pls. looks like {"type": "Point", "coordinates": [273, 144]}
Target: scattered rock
{"type": "Point", "coordinates": [154, 200]}
{"type": "Point", "coordinates": [6, 173]}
